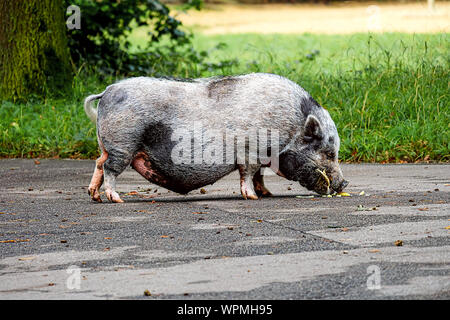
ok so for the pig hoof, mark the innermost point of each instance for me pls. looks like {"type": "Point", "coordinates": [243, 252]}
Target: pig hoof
{"type": "Point", "coordinates": [251, 197]}
{"type": "Point", "coordinates": [263, 192]}
{"type": "Point", "coordinates": [95, 195]}
{"type": "Point", "coordinates": [113, 197]}
{"type": "Point", "coordinates": [248, 194]}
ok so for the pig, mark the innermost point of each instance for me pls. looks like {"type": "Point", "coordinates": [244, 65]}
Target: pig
{"type": "Point", "coordinates": [158, 126]}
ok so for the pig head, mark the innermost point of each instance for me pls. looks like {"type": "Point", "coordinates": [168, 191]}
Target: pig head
{"type": "Point", "coordinates": [312, 157]}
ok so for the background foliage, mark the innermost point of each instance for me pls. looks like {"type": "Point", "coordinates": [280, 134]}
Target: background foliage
{"type": "Point", "coordinates": [387, 93]}
{"type": "Point", "coordinates": [103, 38]}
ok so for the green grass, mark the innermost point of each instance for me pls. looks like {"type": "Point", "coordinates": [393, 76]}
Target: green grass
{"type": "Point", "coordinates": [387, 93]}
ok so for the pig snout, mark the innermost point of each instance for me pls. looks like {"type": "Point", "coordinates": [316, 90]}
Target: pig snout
{"type": "Point", "coordinates": [338, 183]}
{"type": "Point", "coordinates": [340, 186]}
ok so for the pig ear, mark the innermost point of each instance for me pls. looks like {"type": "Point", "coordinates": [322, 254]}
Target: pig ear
{"type": "Point", "coordinates": [313, 130]}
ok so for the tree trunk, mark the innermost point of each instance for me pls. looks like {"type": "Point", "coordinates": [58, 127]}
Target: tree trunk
{"type": "Point", "coordinates": [34, 56]}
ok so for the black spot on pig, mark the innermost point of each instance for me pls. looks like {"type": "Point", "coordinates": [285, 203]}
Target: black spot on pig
{"type": "Point", "coordinates": [158, 135]}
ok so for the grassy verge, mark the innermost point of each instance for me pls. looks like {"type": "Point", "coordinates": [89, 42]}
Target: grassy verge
{"type": "Point", "coordinates": [387, 93]}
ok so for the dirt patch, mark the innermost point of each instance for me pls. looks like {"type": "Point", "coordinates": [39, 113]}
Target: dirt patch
{"type": "Point", "coordinates": [322, 19]}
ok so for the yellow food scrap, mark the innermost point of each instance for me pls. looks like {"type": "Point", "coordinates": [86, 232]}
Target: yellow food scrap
{"type": "Point", "coordinates": [343, 194]}
{"type": "Point", "coordinates": [324, 175]}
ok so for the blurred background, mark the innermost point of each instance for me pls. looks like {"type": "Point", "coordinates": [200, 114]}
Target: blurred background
{"type": "Point", "coordinates": [328, 17]}
{"type": "Point", "coordinates": [381, 68]}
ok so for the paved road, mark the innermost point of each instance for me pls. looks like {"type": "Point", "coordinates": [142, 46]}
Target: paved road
{"type": "Point", "coordinates": [57, 244]}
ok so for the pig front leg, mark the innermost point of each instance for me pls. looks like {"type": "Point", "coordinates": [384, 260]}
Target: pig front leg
{"type": "Point", "coordinates": [258, 184]}
{"type": "Point", "coordinates": [246, 173]}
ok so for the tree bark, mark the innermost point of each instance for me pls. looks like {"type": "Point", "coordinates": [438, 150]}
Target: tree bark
{"type": "Point", "coordinates": [34, 56]}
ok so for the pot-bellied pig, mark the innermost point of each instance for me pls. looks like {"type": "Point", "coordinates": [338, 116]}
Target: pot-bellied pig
{"type": "Point", "coordinates": [185, 134]}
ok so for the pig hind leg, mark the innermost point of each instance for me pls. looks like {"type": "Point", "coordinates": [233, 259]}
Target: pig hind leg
{"type": "Point", "coordinates": [116, 163]}
{"type": "Point", "coordinates": [246, 173]}
{"type": "Point", "coordinates": [97, 177]}
{"type": "Point", "coordinates": [258, 184]}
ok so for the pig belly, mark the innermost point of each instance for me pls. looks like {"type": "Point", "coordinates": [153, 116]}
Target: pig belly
{"type": "Point", "coordinates": [180, 178]}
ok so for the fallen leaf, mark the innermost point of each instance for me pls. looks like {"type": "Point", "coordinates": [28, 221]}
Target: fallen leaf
{"type": "Point", "coordinates": [131, 193]}
{"type": "Point", "coordinates": [147, 293]}
{"type": "Point", "coordinates": [37, 162]}
{"type": "Point", "coordinates": [447, 228]}
{"type": "Point", "coordinates": [202, 191]}
{"type": "Point", "coordinates": [144, 211]}
{"type": "Point", "coordinates": [374, 251]}
{"type": "Point", "coordinates": [423, 209]}
{"type": "Point", "coordinates": [26, 258]}
{"type": "Point", "coordinates": [398, 243]}
{"type": "Point", "coordinates": [14, 240]}
{"type": "Point", "coordinates": [107, 238]}
{"type": "Point", "coordinates": [199, 212]}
